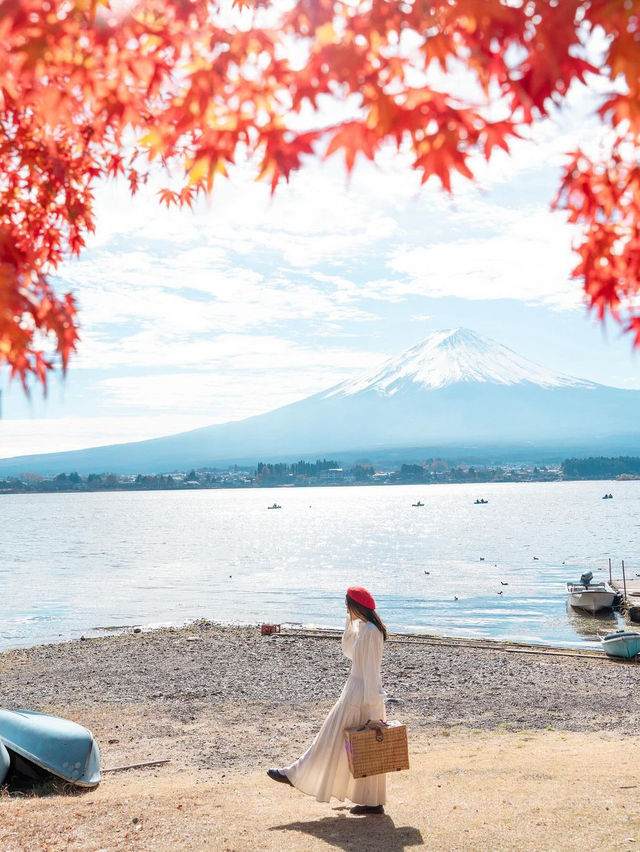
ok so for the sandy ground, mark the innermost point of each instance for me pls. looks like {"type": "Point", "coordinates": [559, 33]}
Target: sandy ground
{"type": "Point", "coordinates": [508, 750]}
{"type": "Point", "coordinates": [516, 791]}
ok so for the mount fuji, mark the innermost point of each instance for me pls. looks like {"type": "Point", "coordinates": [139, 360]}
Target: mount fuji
{"type": "Point", "coordinates": [455, 393]}
{"type": "Point", "coordinates": [449, 357]}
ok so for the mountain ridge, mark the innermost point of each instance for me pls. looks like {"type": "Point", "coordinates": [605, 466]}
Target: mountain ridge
{"type": "Point", "coordinates": [454, 389]}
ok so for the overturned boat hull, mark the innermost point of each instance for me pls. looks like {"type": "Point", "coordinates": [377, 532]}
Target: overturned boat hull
{"type": "Point", "coordinates": [61, 747]}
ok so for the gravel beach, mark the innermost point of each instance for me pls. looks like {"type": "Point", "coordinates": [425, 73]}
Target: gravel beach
{"type": "Point", "coordinates": [227, 702]}
{"type": "Point", "coordinates": [288, 681]}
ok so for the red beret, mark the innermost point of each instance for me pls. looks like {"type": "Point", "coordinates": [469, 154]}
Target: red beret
{"type": "Point", "coordinates": [361, 596]}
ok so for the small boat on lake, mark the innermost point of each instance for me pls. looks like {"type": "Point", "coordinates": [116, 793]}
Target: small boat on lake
{"type": "Point", "coordinates": [591, 597]}
{"type": "Point", "coordinates": [418, 504]}
{"type": "Point", "coordinates": [59, 746]}
{"type": "Point", "coordinates": [624, 644]}
{"type": "Point", "coordinates": [608, 497]}
{"type": "Point", "coordinates": [275, 506]}
{"type": "Point", "coordinates": [480, 502]}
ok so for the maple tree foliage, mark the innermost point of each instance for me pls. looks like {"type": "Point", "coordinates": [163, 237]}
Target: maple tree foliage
{"type": "Point", "coordinates": [91, 90]}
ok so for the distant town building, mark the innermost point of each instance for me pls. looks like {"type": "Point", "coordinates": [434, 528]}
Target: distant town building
{"type": "Point", "coordinates": [332, 474]}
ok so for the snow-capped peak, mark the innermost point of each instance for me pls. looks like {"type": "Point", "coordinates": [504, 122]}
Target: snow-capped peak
{"type": "Point", "coordinates": [455, 355]}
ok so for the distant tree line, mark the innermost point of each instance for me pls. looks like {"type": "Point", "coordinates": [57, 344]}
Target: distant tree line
{"type": "Point", "coordinates": [62, 482]}
{"type": "Point", "coordinates": [437, 470]}
{"type": "Point", "coordinates": [112, 482]}
{"type": "Point", "coordinates": [601, 467]}
{"type": "Point", "coordinates": [330, 472]}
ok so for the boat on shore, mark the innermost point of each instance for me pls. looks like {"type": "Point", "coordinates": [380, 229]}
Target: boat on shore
{"type": "Point", "coordinates": [59, 746]}
{"type": "Point", "coordinates": [591, 597]}
{"type": "Point", "coordinates": [623, 644]}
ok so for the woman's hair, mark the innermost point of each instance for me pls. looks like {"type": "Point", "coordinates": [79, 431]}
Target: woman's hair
{"type": "Point", "coordinates": [368, 615]}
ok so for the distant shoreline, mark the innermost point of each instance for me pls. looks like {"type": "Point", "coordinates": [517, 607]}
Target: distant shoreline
{"type": "Point", "coordinates": [122, 487]}
{"type": "Point", "coordinates": [330, 472]}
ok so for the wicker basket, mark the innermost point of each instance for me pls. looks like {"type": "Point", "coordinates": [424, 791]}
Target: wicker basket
{"type": "Point", "coordinates": [377, 747]}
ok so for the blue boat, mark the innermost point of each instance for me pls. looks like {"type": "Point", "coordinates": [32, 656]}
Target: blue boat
{"type": "Point", "coordinates": [59, 746]}
{"type": "Point", "coordinates": [623, 644]}
{"type": "Point", "coordinates": [5, 762]}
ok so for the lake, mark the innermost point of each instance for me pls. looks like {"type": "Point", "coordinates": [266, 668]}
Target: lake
{"type": "Point", "coordinates": [72, 564]}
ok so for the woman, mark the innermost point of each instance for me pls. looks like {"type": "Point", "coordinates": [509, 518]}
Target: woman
{"type": "Point", "coordinates": [323, 770]}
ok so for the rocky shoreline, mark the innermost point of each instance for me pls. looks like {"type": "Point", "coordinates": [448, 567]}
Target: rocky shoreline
{"type": "Point", "coordinates": [216, 696]}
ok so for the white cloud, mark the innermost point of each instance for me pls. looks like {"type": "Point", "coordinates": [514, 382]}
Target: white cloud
{"type": "Point", "coordinates": [255, 375]}
{"type": "Point", "coordinates": [529, 260]}
{"type": "Point", "coordinates": [158, 327]}
{"type": "Point", "coordinates": [313, 219]}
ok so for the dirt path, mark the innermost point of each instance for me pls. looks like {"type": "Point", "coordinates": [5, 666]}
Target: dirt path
{"type": "Point", "coordinates": [498, 791]}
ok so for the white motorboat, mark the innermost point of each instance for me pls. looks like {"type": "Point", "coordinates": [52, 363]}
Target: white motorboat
{"type": "Point", "coordinates": [592, 597]}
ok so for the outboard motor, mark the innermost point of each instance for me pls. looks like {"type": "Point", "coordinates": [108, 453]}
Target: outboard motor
{"type": "Point", "coordinates": [586, 578]}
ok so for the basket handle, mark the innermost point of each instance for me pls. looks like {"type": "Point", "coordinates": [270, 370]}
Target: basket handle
{"type": "Point", "coordinates": [376, 726]}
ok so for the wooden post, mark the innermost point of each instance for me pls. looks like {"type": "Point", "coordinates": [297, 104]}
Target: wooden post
{"type": "Point", "coordinates": [624, 583]}
{"type": "Point", "coordinates": [138, 765]}
{"type": "Point", "coordinates": [609, 569]}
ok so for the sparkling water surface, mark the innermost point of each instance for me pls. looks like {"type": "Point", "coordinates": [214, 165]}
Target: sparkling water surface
{"type": "Point", "coordinates": [74, 563]}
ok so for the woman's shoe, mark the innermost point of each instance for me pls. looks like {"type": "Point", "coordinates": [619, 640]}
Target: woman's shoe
{"type": "Point", "coordinates": [359, 810]}
{"type": "Point", "coordinates": [278, 775]}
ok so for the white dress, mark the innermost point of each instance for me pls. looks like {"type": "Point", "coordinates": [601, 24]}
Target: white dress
{"type": "Point", "coordinates": [323, 770]}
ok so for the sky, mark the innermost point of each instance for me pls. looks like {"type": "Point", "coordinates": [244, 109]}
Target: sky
{"type": "Point", "coordinates": [251, 302]}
